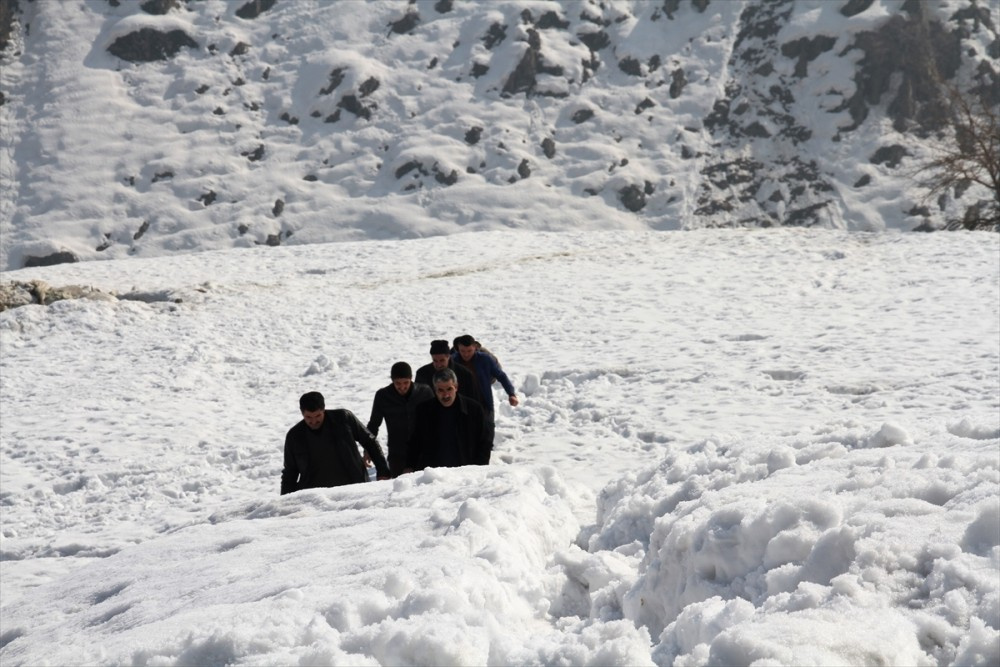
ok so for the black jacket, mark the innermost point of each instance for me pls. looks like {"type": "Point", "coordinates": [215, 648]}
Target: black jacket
{"type": "Point", "coordinates": [425, 443]}
{"type": "Point", "coordinates": [467, 385]}
{"type": "Point", "coordinates": [329, 455]}
{"type": "Point", "coordinates": [398, 413]}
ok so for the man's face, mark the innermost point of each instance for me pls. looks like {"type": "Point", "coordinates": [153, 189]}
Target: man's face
{"type": "Point", "coordinates": [446, 392]}
{"type": "Point", "coordinates": [402, 385]}
{"type": "Point", "coordinates": [440, 361]}
{"type": "Point", "coordinates": [466, 351]}
{"type": "Point", "coordinates": [314, 419]}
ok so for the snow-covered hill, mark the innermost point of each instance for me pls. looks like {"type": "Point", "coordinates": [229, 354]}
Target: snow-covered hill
{"type": "Point", "coordinates": [143, 128]}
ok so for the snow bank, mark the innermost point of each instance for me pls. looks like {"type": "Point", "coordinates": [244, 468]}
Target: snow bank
{"type": "Point", "coordinates": [814, 551]}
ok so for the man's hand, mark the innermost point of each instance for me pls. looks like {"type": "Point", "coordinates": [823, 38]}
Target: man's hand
{"type": "Point", "coordinates": [512, 399]}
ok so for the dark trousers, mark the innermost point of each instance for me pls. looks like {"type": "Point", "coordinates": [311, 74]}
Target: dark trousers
{"type": "Point", "coordinates": [490, 426]}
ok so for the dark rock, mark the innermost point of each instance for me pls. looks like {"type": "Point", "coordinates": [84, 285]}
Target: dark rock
{"type": "Point", "coordinates": [919, 54]}
{"type": "Point", "coordinates": [352, 104]}
{"type": "Point", "coordinates": [445, 179]}
{"type": "Point", "coordinates": [686, 152]}
{"type": "Point", "coordinates": [755, 129]}
{"type": "Point", "coordinates": [805, 50]}
{"type": "Point", "coordinates": [208, 198]}
{"type": "Point", "coordinates": [159, 7]}
{"type": "Point", "coordinates": [243, 228]}
{"type": "Point", "coordinates": [240, 49]}
{"type": "Point", "coordinates": [368, 86]}
{"type": "Point", "coordinates": [433, 63]}
{"type": "Point", "coordinates": [62, 257]}
{"type": "Point", "coordinates": [632, 197]}
{"type": "Point", "coordinates": [443, 6]}
{"type": "Point", "coordinates": [550, 19]}
{"type": "Point", "coordinates": [336, 77]}
{"type": "Point", "coordinates": [677, 83]}
{"type": "Point", "coordinates": [219, 111]}
{"type": "Point", "coordinates": [523, 78]}
{"type": "Point", "coordinates": [162, 176]}
{"type": "Point", "coordinates": [806, 216]}
{"type": "Point", "coordinates": [202, 89]}
{"type": "Point", "coordinates": [595, 41]}
{"type": "Point", "coordinates": [405, 24]}
{"type": "Point", "coordinates": [630, 66]}
{"type": "Point", "coordinates": [889, 155]}
{"type": "Point", "coordinates": [148, 45]}
{"type": "Point", "coordinates": [254, 8]}
{"type": "Point", "coordinates": [407, 168]}
{"type": "Point", "coordinates": [7, 10]}
{"type": "Point", "coordinates": [700, 5]}
{"type": "Point", "coordinates": [279, 206]}
{"type": "Point", "coordinates": [648, 188]}
{"type": "Point", "coordinates": [582, 115]}
{"type": "Point", "coordinates": [143, 228]}
{"type": "Point", "coordinates": [290, 119]}
{"type": "Point", "coordinates": [524, 169]}
{"type": "Point", "coordinates": [922, 211]}
{"type": "Point", "coordinates": [642, 106]}
{"type": "Point", "coordinates": [855, 7]}
{"type": "Point", "coordinates": [273, 240]}
{"type": "Point", "coordinates": [479, 69]}
{"type": "Point", "coordinates": [312, 178]}
{"type": "Point", "coordinates": [863, 181]}
{"type": "Point", "coordinates": [255, 155]}
{"type": "Point", "coordinates": [266, 74]}
{"type": "Point", "coordinates": [548, 147]}
{"type": "Point", "coordinates": [670, 7]}
{"type": "Point", "coordinates": [496, 34]}
{"type": "Point", "coordinates": [472, 135]}
{"type": "Point", "coordinates": [978, 16]}
{"type": "Point", "coordinates": [332, 118]}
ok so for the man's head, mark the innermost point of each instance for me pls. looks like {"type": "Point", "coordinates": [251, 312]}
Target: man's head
{"type": "Point", "coordinates": [402, 377]}
{"type": "Point", "coordinates": [440, 354]}
{"type": "Point", "coordinates": [466, 346]}
{"type": "Point", "coordinates": [313, 409]}
{"type": "Point", "coordinates": [446, 387]}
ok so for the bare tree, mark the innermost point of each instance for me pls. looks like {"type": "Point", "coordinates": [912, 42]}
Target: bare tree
{"type": "Point", "coordinates": [970, 155]}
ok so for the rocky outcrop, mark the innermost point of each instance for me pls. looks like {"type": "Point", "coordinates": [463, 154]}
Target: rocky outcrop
{"type": "Point", "coordinates": [39, 292]}
{"type": "Point", "coordinates": [147, 45]}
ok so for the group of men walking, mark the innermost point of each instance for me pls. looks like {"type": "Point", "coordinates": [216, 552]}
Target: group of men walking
{"type": "Point", "coordinates": [443, 417]}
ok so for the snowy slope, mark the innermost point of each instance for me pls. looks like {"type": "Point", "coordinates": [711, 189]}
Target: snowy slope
{"type": "Point", "coordinates": [326, 120]}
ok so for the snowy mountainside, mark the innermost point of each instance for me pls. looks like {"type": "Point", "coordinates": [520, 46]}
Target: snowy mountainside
{"type": "Point", "coordinates": [144, 128]}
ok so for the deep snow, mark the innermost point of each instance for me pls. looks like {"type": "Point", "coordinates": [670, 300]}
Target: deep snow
{"type": "Point", "coordinates": [734, 447]}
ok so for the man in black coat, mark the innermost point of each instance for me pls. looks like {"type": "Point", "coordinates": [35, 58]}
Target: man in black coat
{"type": "Point", "coordinates": [440, 360]}
{"type": "Point", "coordinates": [322, 449]}
{"type": "Point", "coordinates": [396, 403]}
{"type": "Point", "coordinates": [449, 431]}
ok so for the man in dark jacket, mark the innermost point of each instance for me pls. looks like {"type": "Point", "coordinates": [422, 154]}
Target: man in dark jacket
{"type": "Point", "coordinates": [485, 369]}
{"type": "Point", "coordinates": [322, 449]}
{"type": "Point", "coordinates": [441, 359]}
{"type": "Point", "coordinates": [395, 403]}
{"type": "Point", "coordinates": [449, 431]}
